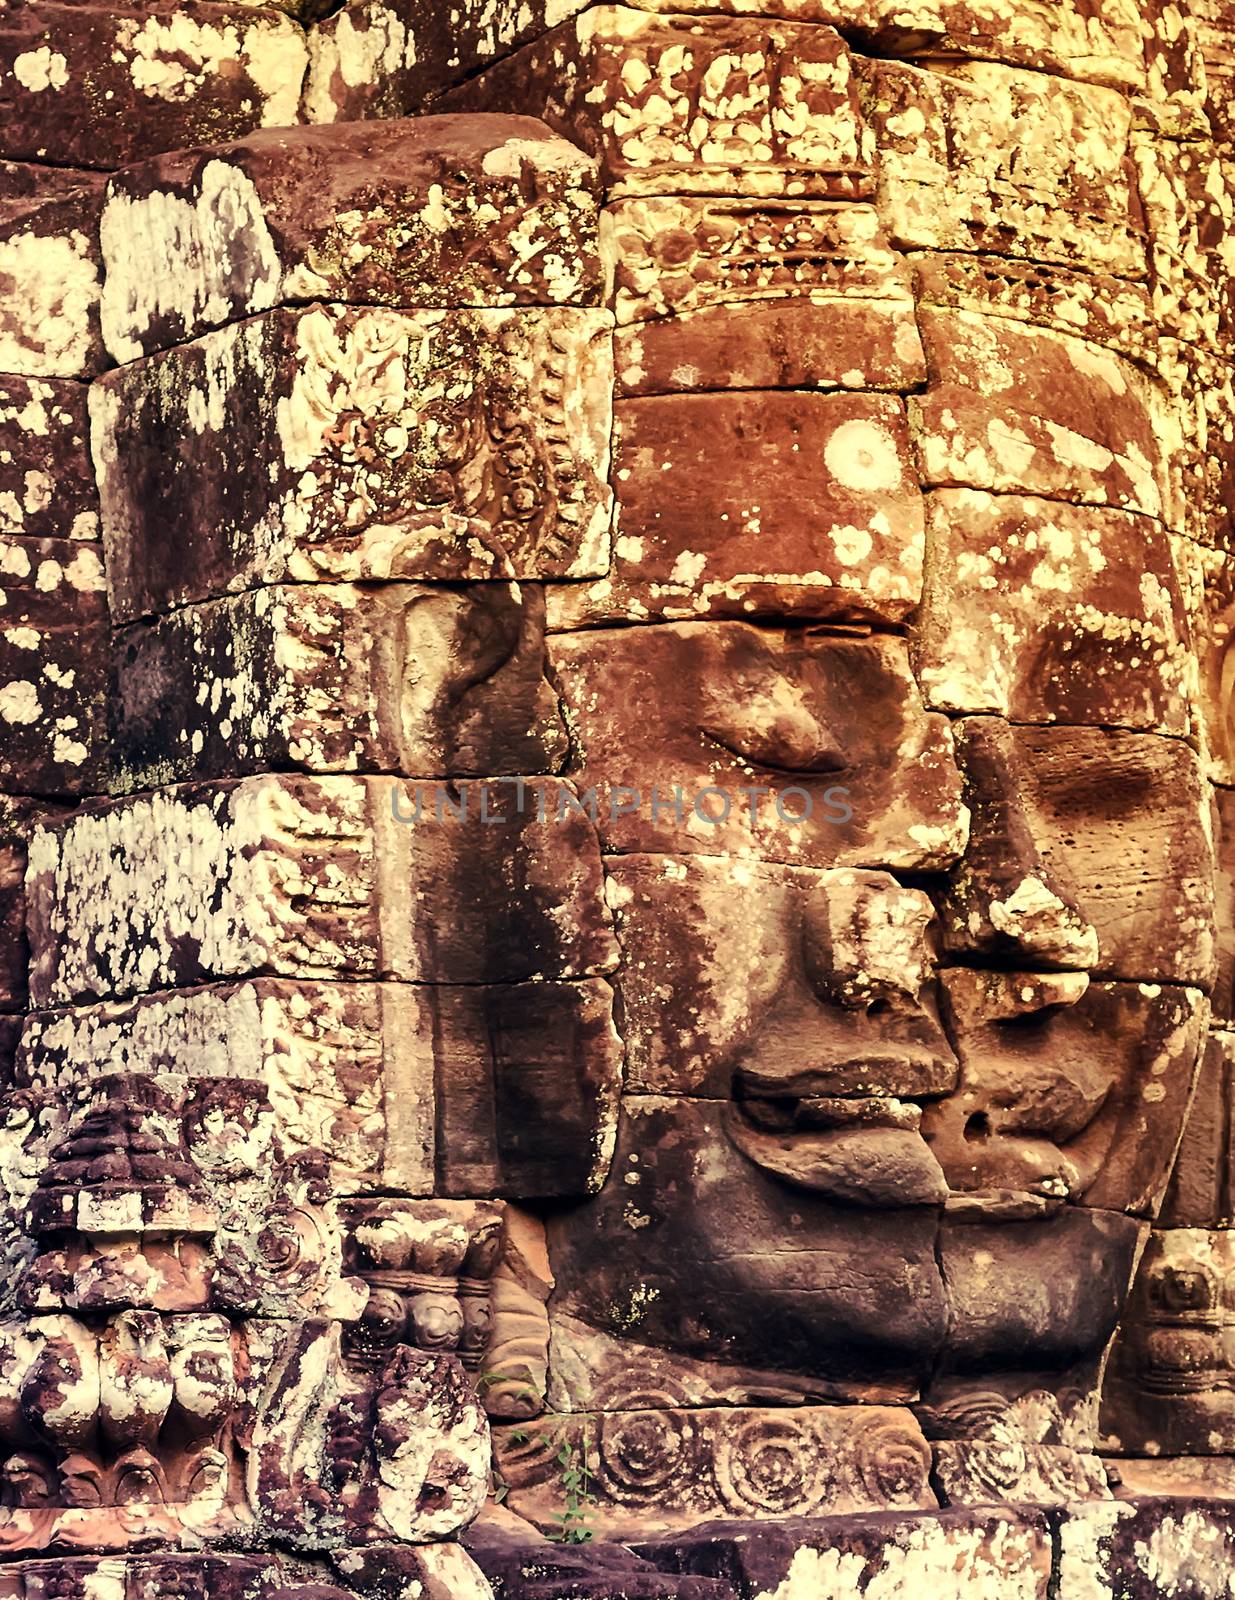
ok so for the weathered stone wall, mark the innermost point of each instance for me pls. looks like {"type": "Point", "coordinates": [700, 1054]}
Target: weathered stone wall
{"type": "Point", "coordinates": [471, 479]}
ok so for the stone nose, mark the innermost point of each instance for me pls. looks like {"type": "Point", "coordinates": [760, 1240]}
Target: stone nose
{"type": "Point", "coordinates": [1006, 901]}
{"type": "Point", "coordinates": [865, 941]}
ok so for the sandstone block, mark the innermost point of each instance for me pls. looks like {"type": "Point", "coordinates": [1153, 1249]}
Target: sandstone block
{"type": "Point", "coordinates": [1208, 581]}
{"type": "Point", "coordinates": [679, 711]}
{"type": "Point", "coordinates": [1196, 410]}
{"type": "Point", "coordinates": [386, 58]}
{"type": "Point", "coordinates": [52, 267]}
{"type": "Point", "coordinates": [692, 105]}
{"type": "Point", "coordinates": [1200, 1194]}
{"type": "Point", "coordinates": [337, 678]}
{"type": "Point", "coordinates": [316, 877]}
{"type": "Point", "coordinates": [525, 1565]}
{"type": "Point", "coordinates": [1061, 39]}
{"type": "Point", "coordinates": [596, 1369]}
{"type": "Point", "coordinates": [53, 645]}
{"type": "Point", "coordinates": [1045, 612]}
{"type": "Point", "coordinates": [463, 211]}
{"type": "Point", "coordinates": [731, 294]}
{"type": "Point", "coordinates": [963, 1555]}
{"type": "Point", "coordinates": [1115, 313]}
{"type": "Point", "coordinates": [1176, 1547]}
{"type": "Point", "coordinates": [656, 1469]}
{"type": "Point", "coordinates": [987, 1471]}
{"type": "Point", "coordinates": [741, 503]}
{"type": "Point", "coordinates": [506, 1089]}
{"type": "Point", "coordinates": [1185, 191]}
{"type": "Point", "coordinates": [1216, 45]}
{"type": "Point", "coordinates": [1031, 1301]}
{"type": "Point", "coordinates": [18, 819]}
{"type": "Point", "coordinates": [1224, 906]}
{"type": "Point", "coordinates": [1090, 849]}
{"type": "Point", "coordinates": [170, 76]}
{"type": "Point", "coordinates": [1021, 410]}
{"type": "Point", "coordinates": [1207, 1477]}
{"type": "Point", "coordinates": [970, 158]}
{"type": "Point", "coordinates": [46, 481]}
{"type": "Point", "coordinates": [341, 443]}
{"type": "Point", "coordinates": [195, 1576]}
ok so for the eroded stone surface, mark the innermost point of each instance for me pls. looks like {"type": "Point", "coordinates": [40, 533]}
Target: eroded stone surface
{"type": "Point", "coordinates": [656, 1468]}
{"type": "Point", "coordinates": [51, 265]}
{"type": "Point", "coordinates": [733, 294]}
{"type": "Point", "coordinates": [472, 1088]}
{"type": "Point", "coordinates": [46, 482]}
{"type": "Point", "coordinates": [316, 877]}
{"type": "Point", "coordinates": [336, 678]}
{"type": "Point", "coordinates": [1021, 410]}
{"type": "Point", "coordinates": [53, 642]}
{"type": "Point", "coordinates": [177, 1286]}
{"type": "Point", "coordinates": [965, 1553]}
{"type": "Point", "coordinates": [168, 76]}
{"type": "Point", "coordinates": [776, 503]}
{"type": "Point", "coordinates": [376, 443]}
{"type": "Point", "coordinates": [698, 105]}
{"type": "Point", "coordinates": [1066, 1090]}
{"type": "Point", "coordinates": [1173, 1546]}
{"type": "Point", "coordinates": [975, 157]}
{"type": "Point", "coordinates": [902, 1081]}
{"type": "Point", "coordinates": [800, 983]}
{"type": "Point", "coordinates": [1200, 1193]}
{"type": "Point", "coordinates": [1045, 612]}
{"type": "Point", "coordinates": [18, 819]}
{"type": "Point", "coordinates": [473, 211]}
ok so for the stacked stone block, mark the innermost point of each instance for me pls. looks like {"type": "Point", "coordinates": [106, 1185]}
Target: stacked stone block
{"type": "Point", "coordinates": [53, 618]}
{"type": "Point", "coordinates": [314, 993]}
{"type": "Point", "coordinates": [892, 348]}
{"type": "Point", "coordinates": [914, 325]}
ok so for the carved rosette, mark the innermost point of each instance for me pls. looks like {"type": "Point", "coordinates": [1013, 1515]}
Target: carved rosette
{"type": "Point", "coordinates": [659, 1466]}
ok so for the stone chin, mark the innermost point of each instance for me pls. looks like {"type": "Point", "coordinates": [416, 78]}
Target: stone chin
{"type": "Point", "coordinates": [786, 1279]}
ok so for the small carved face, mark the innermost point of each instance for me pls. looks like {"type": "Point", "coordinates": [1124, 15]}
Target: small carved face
{"type": "Point", "coordinates": [1171, 1386]}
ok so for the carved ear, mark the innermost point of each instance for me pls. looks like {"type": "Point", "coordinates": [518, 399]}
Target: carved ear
{"type": "Point", "coordinates": [488, 626]}
{"type": "Point", "coordinates": [479, 628]}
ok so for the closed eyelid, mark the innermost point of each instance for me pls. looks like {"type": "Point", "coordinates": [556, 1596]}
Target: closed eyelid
{"type": "Point", "coordinates": [773, 727]}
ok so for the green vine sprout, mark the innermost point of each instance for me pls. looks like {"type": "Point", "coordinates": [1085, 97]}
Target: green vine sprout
{"type": "Point", "coordinates": [574, 1521]}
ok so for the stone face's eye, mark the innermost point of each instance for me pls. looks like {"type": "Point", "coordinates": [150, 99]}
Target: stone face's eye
{"type": "Point", "coordinates": [770, 725]}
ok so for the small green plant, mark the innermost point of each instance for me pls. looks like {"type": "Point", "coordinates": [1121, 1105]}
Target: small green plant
{"type": "Point", "coordinates": [578, 1502]}
{"type": "Point", "coordinates": [573, 1522]}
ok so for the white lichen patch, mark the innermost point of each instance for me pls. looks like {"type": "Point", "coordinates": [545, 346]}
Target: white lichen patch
{"type": "Point", "coordinates": [52, 296]}
{"type": "Point", "coordinates": [206, 256]}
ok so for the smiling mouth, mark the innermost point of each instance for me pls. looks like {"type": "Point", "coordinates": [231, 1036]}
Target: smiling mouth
{"type": "Point", "coordinates": [864, 1151]}
{"type": "Point", "coordinates": [869, 1150]}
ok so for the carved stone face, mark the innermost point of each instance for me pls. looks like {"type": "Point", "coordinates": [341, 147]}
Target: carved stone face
{"type": "Point", "coordinates": [900, 1076]}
